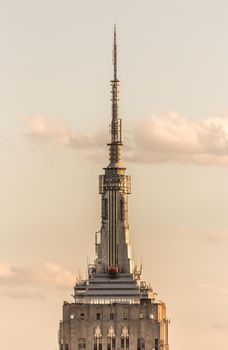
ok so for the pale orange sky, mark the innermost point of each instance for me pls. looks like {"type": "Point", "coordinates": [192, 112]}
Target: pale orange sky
{"type": "Point", "coordinates": [54, 115]}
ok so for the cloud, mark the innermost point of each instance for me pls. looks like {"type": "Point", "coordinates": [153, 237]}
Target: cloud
{"type": "Point", "coordinates": [169, 138]}
{"type": "Point", "coordinates": [11, 275]}
{"type": "Point", "coordinates": [207, 235]}
{"type": "Point", "coordinates": [220, 327]}
{"type": "Point", "coordinates": [55, 275]}
{"type": "Point", "coordinates": [6, 271]}
{"type": "Point", "coordinates": [20, 293]}
{"type": "Point", "coordinates": [212, 236]}
{"type": "Point", "coordinates": [25, 283]}
{"type": "Point", "coordinates": [45, 130]}
{"type": "Point", "coordinates": [175, 138]}
{"type": "Point", "coordinates": [219, 290]}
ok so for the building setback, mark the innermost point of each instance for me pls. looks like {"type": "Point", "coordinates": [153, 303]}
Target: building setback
{"type": "Point", "coordinates": [113, 308]}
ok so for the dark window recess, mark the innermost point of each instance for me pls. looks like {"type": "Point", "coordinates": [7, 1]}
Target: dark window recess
{"type": "Point", "coordinates": [140, 343]}
{"type": "Point", "coordinates": [97, 344]}
{"type": "Point", "coordinates": [98, 317]}
{"type": "Point", "coordinates": [111, 341]}
{"type": "Point", "coordinates": [121, 209]}
{"type": "Point", "coordinates": [122, 342]}
{"type": "Point", "coordinates": [105, 208]}
{"type": "Point", "coordinates": [156, 343]}
{"type": "Point", "coordinates": [125, 315]}
{"type": "Point", "coordinates": [81, 343]}
{"type": "Point", "coordinates": [112, 316]}
{"type": "Point", "coordinates": [82, 316]}
{"type": "Point", "coordinates": [66, 347]}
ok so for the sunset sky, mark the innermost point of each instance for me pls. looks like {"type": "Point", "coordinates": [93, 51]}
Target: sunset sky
{"type": "Point", "coordinates": [55, 110]}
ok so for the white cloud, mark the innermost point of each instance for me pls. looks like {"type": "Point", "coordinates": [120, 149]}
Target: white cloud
{"type": "Point", "coordinates": [213, 236]}
{"type": "Point", "coordinates": [25, 283]}
{"type": "Point", "coordinates": [55, 275]}
{"type": "Point", "coordinates": [210, 236]}
{"type": "Point", "coordinates": [6, 271]}
{"type": "Point", "coordinates": [175, 138]}
{"type": "Point", "coordinates": [43, 129]}
{"type": "Point", "coordinates": [220, 327]}
{"type": "Point", "coordinates": [159, 139]}
{"type": "Point", "coordinates": [219, 290]}
{"type": "Point", "coordinates": [21, 293]}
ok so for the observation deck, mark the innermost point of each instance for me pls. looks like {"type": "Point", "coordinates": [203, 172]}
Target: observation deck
{"type": "Point", "coordinates": [116, 182]}
{"type": "Point", "coordinates": [104, 288]}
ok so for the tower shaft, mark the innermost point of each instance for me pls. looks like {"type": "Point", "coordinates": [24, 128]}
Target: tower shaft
{"type": "Point", "coordinates": [114, 250]}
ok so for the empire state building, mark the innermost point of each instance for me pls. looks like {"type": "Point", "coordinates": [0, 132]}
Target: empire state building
{"type": "Point", "coordinates": [113, 309]}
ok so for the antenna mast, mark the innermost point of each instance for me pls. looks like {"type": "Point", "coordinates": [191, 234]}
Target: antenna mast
{"type": "Point", "coordinates": [116, 127]}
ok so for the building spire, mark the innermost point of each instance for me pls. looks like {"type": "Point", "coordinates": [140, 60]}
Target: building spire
{"type": "Point", "coordinates": [113, 250]}
{"type": "Point", "coordinates": [115, 55]}
{"type": "Point", "coordinates": [116, 129]}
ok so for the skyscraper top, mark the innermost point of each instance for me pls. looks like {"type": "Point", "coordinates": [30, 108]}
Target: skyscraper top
{"type": "Point", "coordinates": [116, 124]}
{"type": "Point", "coordinates": [114, 309]}
{"type": "Point", "coordinates": [113, 277]}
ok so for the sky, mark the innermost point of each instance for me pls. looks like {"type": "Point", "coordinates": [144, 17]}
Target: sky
{"type": "Point", "coordinates": [55, 110]}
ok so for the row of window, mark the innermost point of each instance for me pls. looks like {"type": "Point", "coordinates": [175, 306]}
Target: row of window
{"type": "Point", "coordinates": [111, 344]}
{"type": "Point", "coordinates": [111, 316]}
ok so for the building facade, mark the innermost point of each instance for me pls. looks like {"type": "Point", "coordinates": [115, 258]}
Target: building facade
{"type": "Point", "coordinates": [113, 308]}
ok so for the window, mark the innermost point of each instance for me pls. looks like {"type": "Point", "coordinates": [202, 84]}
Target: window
{"type": "Point", "coordinates": [105, 208]}
{"type": "Point", "coordinates": [125, 315]}
{"type": "Point", "coordinates": [111, 316]}
{"type": "Point", "coordinates": [124, 343]}
{"type": "Point", "coordinates": [81, 343]}
{"type": "Point", "coordinates": [66, 347]}
{"type": "Point", "coordinates": [124, 338]}
{"type": "Point", "coordinates": [98, 316]}
{"type": "Point", "coordinates": [111, 339]}
{"type": "Point", "coordinates": [111, 343]}
{"type": "Point", "coordinates": [97, 343]}
{"type": "Point", "coordinates": [97, 338]}
{"type": "Point", "coordinates": [140, 343]}
{"type": "Point", "coordinates": [156, 343]}
{"type": "Point", "coordinates": [121, 209]}
{"type": "Point", "coordinates": [82, 316]}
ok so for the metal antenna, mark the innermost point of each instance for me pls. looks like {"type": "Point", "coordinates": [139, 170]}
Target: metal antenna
{"type": "Point", "coordinates": [115, 55]}
{"type": "Point", "coordinates": [116, 129]}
